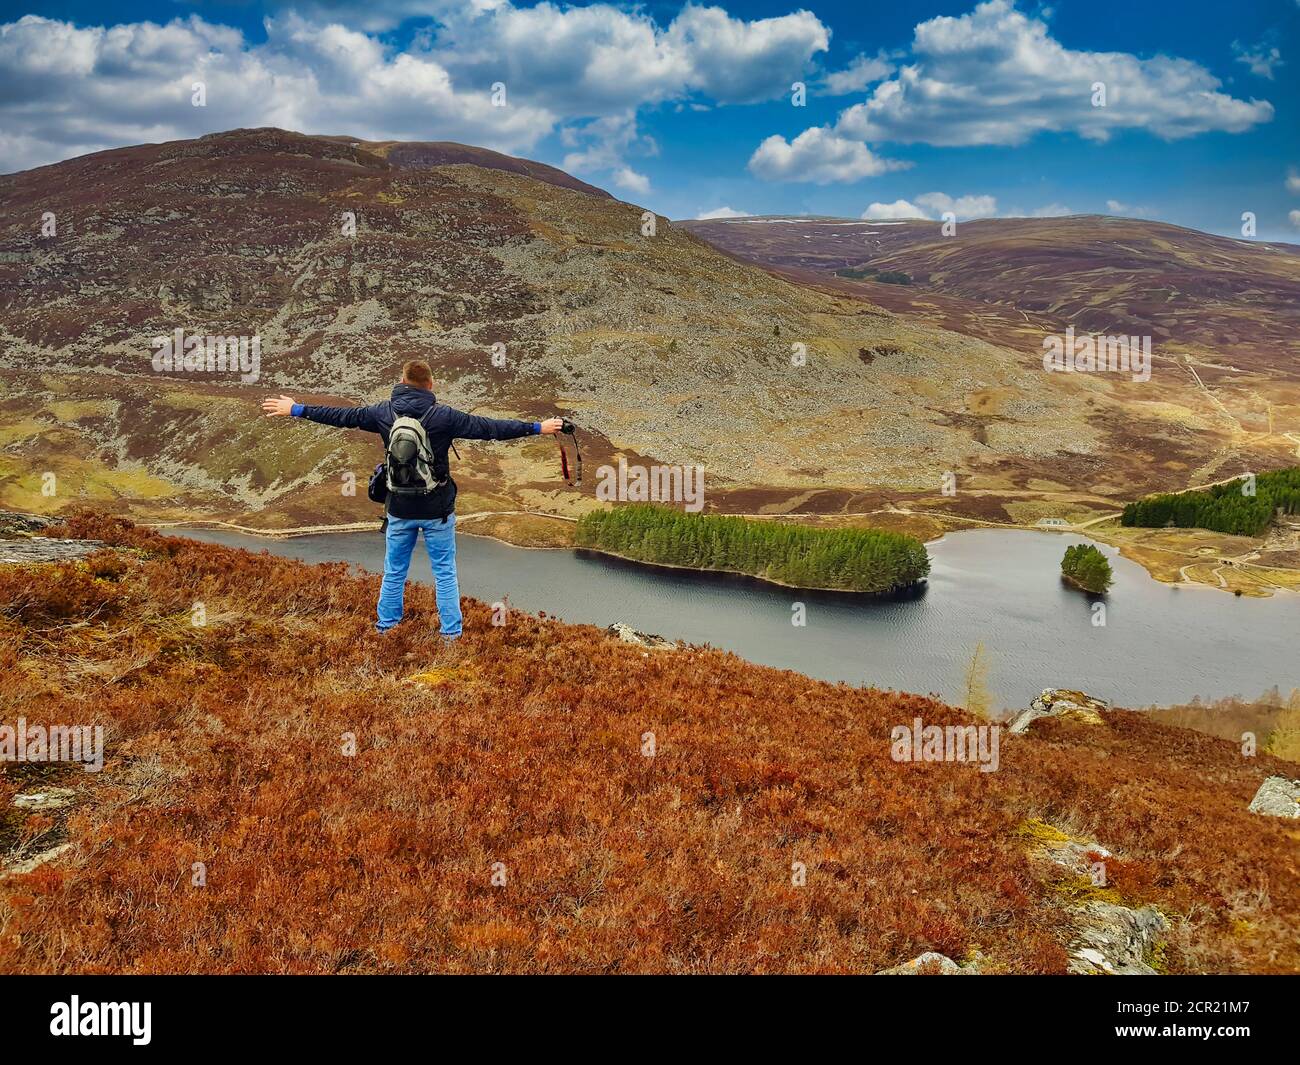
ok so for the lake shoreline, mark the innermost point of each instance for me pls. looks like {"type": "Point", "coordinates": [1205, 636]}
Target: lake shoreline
{"type": "Point", "coordinates": [908, 590]}
{"type": "Point", "coordinates": [1152, 555]}
{"type": "Point", "coordinates": [998, 587]}
{"type": "Point", "coordinates": [360, 529]}
{"type": "Point", "coordinates": [1073, 584]}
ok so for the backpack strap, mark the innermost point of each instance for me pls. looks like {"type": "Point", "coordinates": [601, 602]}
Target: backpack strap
{"type": "Point", "coordinates": [450, 443]}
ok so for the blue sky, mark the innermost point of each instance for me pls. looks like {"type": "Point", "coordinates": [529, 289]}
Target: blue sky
{"type": "Point", "coordinates": [910, 108]}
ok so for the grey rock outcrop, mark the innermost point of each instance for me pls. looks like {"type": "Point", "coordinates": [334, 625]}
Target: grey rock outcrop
{"type": "Point", "coordinates": [1108, 938]}
{"type": "Point", "coordinates": [640, 639]}
{"type": "Point", "coordinates": [1075, 855]}
{"type": "Point", "coordinates": [49, 799]}
{"type": "Point", "coordinates": [929, 963]}
{"type": "Point", "coordinates": [1277, 797]}
{"type": "Point", "coordinates": [1059, 702]}
{"type": "Point", "coordinates": [12, 524]}
{"type": "Point", "coordinates": [1117, 940]}
{"type": "Point", "coordinates": [46, 549]}
{"type": "Point", "coordinates": [28, 865]}
{"type": "Point", "coordinates": [19, 542]}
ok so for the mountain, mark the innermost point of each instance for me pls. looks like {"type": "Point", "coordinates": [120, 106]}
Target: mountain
{"type": "Point", "coordinates": [1232, 300]}
{"type": "Point", "coordinates": [799, 392]}
{"type": "Point", "coordinates": [545, 798]}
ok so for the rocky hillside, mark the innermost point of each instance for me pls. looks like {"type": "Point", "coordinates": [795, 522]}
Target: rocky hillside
{"type": "Point", "coordinates": [1223, 315]}
{"type": "Point", "coordinates": [658, 345]}
{"type": "Point", "coordinates": [1236, 300]}
{"type": "Point", "coordinates": [291, 793]}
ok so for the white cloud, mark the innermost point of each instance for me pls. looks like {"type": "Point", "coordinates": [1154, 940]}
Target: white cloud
{"type": "Point", "coordinates": [1116, 207]}
{"type": "Point", "coordinates": [863, 71]}
{"type": "Point", "coordinates": [884, 212]}
{"type": "Point", "coordinates": [964, 207]}
{"type": "Point", "coordinates": [1294, 218]}
{"type": "Point", "coordinates": [602, 145]}
{"type": "Point", "coordinates": [996, 76]}
{"type": "Point", "coordinates": [627, 178]}
{"type": "Point", "coordinates": [603, 59]}
{"type": "Point", "coordinates": [722, 212]}
{"type": "Point", "coordinates": [1293, 175]}
{"type": "Point", "coordinates": [818, 155]}
{"type": "Point", "coordinates": [733, 61]}
{"type": "Point", "coordinates": [1262, 58]}
{"type": "Point", "coordinates": [67, 89]}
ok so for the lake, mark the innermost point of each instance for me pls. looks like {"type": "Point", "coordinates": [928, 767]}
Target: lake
{"type": "Point", "coordinates": [998, 587]}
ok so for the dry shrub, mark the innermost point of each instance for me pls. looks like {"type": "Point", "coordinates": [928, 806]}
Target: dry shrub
{"type": "Point", "coordinates": [504, 818]}
{"type": "Point", "coordinates": [84, 590]}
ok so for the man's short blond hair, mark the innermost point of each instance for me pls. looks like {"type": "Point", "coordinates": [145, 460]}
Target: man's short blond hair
{"type": "Point", "coordinates": [417, 373]}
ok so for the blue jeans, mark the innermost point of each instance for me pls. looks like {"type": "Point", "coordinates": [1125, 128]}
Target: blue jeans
{"type": "Point", "coordinates": [440, 542]}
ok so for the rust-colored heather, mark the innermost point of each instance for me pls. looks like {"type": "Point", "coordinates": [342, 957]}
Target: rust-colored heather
{"type": "Point", "coordinates": [523, 746]}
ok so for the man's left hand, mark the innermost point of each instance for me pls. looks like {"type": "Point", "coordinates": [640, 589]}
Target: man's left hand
{"type": "Point", "coordinates": [282, 407]}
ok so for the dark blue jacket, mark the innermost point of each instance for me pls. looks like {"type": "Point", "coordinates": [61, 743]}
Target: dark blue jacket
{"type": "Point", "coordinates": [443, 424]}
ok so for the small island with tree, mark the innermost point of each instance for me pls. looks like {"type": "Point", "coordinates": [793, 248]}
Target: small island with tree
{"type": "Point", "coordinates": [852, 560]}
{"type": "Point", "coordinates": [1086, 567]}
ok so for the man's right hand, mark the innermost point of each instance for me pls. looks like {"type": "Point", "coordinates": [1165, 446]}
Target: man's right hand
{"type": "Point", "coordinates": [552, 425]}
{"type": "Point", "coordinates": [282, 407]}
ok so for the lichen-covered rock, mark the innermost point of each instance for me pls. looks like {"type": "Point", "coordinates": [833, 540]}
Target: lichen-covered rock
{"type": "Point", "coordinates": [1116, 940]}
{"type": "Point", "coordinates": [45, 549]}
{"type": "Point", "coordinates": [1075, 855]}
{"type": "Point", "coordinates": [931, 963]}
{"type": "Point", "coordinates": [1277, 797]}
{"type": "Point", "coordinates": [640, 639]}
{"type": "Point", "coordinates": [1049, 843]}
{"type": "Point", "coordinates": [12, 524]}
{"type": "Point", "coordinates": [21, 543]}
{"type": "Point", "coordinates": [1108, 937]}
{"type": "Point", "coordinates": [28, 865]}
{"type": "Point", "coordinates": [49, 799]}
{"type": "Point", "coordinates": [1060, 702]}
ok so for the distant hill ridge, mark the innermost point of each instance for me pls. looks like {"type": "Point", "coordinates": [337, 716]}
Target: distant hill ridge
{"type": "Point", "coordinates": [1228, 297]}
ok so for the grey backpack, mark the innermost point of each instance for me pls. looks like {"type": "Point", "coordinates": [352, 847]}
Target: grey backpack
{"type": "Point", "coordinates": [409, 460]}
